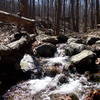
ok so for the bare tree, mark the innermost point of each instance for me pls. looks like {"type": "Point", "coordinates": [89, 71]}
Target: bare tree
{"type": "Point", "coordinates": [97, 12]}
{"type": "Point", "coordinates": [72, 14]}
{"type": "Point", "coordinates": [64, 3]}
{"type": "Point", "coordinates": [24, 7]}
{"type": "Point", "coordinates": [58, 15]}
{"type": "Point", "coordinates": [48, 2]}
{"type": "Point", "coordinates": [34, 9]}
{"type": "Point", "coordinates": [85, 15]}
{"type": "Point", "coordinates": [92, 14]}
{"type": "Point", "coordinates": [77, 16]}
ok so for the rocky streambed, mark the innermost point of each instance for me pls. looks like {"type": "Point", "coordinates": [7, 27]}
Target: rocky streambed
{"type": "Point", "coordinates": [50, 68]}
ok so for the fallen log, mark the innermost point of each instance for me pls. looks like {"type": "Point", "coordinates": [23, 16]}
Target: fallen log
{"type": "Point", "coordinates": [16, 46]}
{"type": "Point", "coordinates": [28, 24]}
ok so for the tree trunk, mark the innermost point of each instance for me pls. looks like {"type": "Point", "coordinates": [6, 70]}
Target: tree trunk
{"type": "Point", "coordinates": [72, 14]}
{"type": "Point", "coordinates": [33, 9]}
{"type": "Point", "coordinates": [77, 16]}
{"type": "Point", "coordinates": [92, 14]}
{"type": "Point", "coordinates": [58, 16]}
{"type": "Point", "coordinates": [28, 24]}
{"type": "Point", "coordinates": [64, 13]}
{"type": "Point", "coordinates": [85, 16]}
{"type": "Point", "coordinates": [48, 9]}
{"type": "Point", "coordinates": [24, 8]}
{"type": "Point", "coordinates": [97, 12]}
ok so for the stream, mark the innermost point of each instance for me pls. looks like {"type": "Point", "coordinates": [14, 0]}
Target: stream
{"type": "Point", "coordinates": [49, 88]}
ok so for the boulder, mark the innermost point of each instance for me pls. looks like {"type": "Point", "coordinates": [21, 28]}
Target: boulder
{"type": "Point", "coordinates": [63, 79]}
{"type": "Point", "coordinates": [51, 39]}
{"type": "Point", "coordinates": [75, 40]}
{"type": "Point", "coordinates": [69, 51]}
{"type": "Point", "coordinates": [98, 42]}
{"type": "Point", "coordinates": [52, 70]}
{"type": "Point", "coordinates": [63, 97]}
{"type": "Point", "coordinates": [30, 66]}
{"type": "Point", "coordinates": [93, 95]}
{"type": "Point", "coordinates": [27, 63]}
{"type": "Point", "coordinates": [95, 77]}
{"type": "Point", "coordinates": [46, 38]}
{"type": "Point", "coordinates": [84, 61]}
{"type": "Point", "coordinates": [45, 50]}
{"type": "Point", "coordinates": [92, 40]}
{"type": "Point", "coordinates": [77, 47]}
{"type": "Point", "coordinates": [62, 38]}
{"type": "Point", "coordinates": [95, 48]}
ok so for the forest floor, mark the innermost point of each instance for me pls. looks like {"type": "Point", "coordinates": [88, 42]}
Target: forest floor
{"type": "Point", "coordinates": [23, 58]}
{"type": "Point", "coordinates": [7, 31]}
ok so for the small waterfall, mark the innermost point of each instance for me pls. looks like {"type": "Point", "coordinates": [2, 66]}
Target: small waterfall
{"type": "Point", "coordinates": [42, 89]}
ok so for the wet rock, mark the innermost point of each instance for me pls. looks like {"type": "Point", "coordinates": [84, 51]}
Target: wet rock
{"type": "Point", "coordinates": [30, 66]}
{"type": "Point", "coordinates": [54, 66]}
{"type": "Point", "coordinates": [95, 77]}
{"type": "Point", "coordinates": [63, 97]}
{"type": "Point", "coordinates": [84, 61]}
{"type": "Point", "coordinates": [98, 42]}
{"type": "Point", "coordinates": [74, 40]}
{"type": "Point", "coordinates": [60, 97]}
{"type": "Point", "coordinates": [63, 79]}
{"type": "Point", "coordinates": [93, 95]}
{"type": "Point", "coordinates": [45, 50]}
{"type": "Point", "coordinates": [62, 38]}
{"type": "Point", "coordinates": [95, 48]}
{"type": "Point", "coordinates": [51, 39]}
{"type": "Point", "coordinates": [73, 96]}
{"type": "Point", "coordinates": [77, 47]}
{"type": "Point", "coordinates": [27, 63]}
{"type": "Point", "coordinates": [69, 51]}
{"type": "Point", "coordinates": [52, 70]}
{"type": "Point", "coordinates": [91, 40]}
{"type": "Point", "coordinates": [98, 64]}
{"type": "Point", "coordinates": [66, 67]}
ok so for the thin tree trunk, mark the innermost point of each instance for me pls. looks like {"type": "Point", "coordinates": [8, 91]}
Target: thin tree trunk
{"type": "Point", "coordinates": [97, 12]}
{"type": "Point", "coordinates": [34, 9]}
{"type": "Point", "coordinates": [72, 14]}
{"type": "Point", "coordinates": [77, 16]}
{"type": "Point", "coordinates": [64, 14]}
{"type": "Point", "coordinates": [85, 16]}
{"type": "Point", "coordinates": [24, 7]}
{"type": "Point", "coordinates": [58, 16]}
{"type": "Point", "coordinates": [48, 9]}
{"type": "Point", "coordinates": [92, 14]}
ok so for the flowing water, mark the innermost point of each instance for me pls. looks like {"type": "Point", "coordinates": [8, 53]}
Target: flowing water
{"type": "Point", "coordinates": [44, 88]}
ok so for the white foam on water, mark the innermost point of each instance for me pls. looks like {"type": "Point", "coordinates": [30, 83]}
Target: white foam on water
{"type": "Point", "coordinates": [61, 60]}
{"type": "Point", "coordinates": [38, 85]}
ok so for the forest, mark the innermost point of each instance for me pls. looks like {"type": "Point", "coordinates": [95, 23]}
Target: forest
{"type": "Point", "coordinates": [75, 15]}
{"type": "Point", "coordinates": [49, 49]}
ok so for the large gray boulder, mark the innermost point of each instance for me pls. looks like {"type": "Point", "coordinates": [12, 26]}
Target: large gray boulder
{"type": "Point", "coordinates": [27, 63]}
{"type": "Point", "coordinates": [45, 50]}
{"type": "Point", "coordinates": [84, 61]}
{"type": "Point", "coordinates": [75, 40]}
{"type": "Point", "coordinates": [77, 47]}
{"type": "Point", "coordinates": [30, 66]}
{"type": "Point", "coordinates": [92, 40]}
